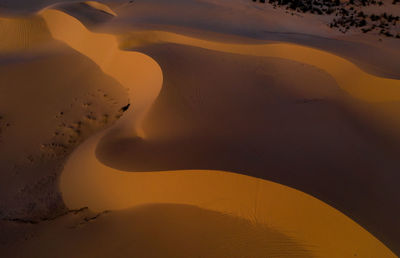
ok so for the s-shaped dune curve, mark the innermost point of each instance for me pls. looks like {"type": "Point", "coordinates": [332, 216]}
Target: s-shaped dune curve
{"type": "Point", "coordinates": [349, 77]}
{"type": "Point", "coordinates": [305, 218]}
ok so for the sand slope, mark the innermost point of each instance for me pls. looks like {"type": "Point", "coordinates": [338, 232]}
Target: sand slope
{"type": "Point", "coordinates": [247, 20]}
{"type": "Point", "coordinates": [84, 161]}
{"type": "Point", "coordinates": [158, 230]}
{"type": "Point", "coordinates": [51, 98]}
{"type": "Point", "coordinates": [283, 112]}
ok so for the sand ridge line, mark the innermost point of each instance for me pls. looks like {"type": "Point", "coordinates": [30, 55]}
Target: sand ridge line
{"type": "Point", "coordinates": [349, 76]}
{"type": "Point", "coordinates": [200, 188]}
{"type": "Point", "coordinates": [231, 192]}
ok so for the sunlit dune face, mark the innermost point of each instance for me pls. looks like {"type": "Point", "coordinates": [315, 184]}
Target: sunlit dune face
{"type": "Point", "coordinates": [323, 229]}
{"type": "Point", "coordinates": [349, 77]}
{"type": "Point", "coordinates": [101, 7]}
{"type": "Point", "coordinates": [164, 230]}
{"type": "Point", "coordinates": [137, 72]}
{"type": "Point", "coordinates": [88, 182]}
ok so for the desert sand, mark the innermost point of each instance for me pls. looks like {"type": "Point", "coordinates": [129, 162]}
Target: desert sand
{"type": "Point", "coordinates": [257, 144]}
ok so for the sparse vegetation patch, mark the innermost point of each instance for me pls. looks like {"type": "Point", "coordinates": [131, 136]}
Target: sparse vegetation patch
{"type": "Point", "coordinates": [346, 15]}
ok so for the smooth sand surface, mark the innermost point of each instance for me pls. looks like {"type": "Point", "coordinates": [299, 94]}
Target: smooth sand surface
{"type": "Point", "coordinates": [211, 119]}
{"type": "Point", "coordinates": [221, 191]}
{"type": "Point", "coordinates": [156, 230]}
{"type": "Point", "coordinates": [51, 98]}
{"type": "Point", "coordinates": [249, 20]}
{"type": "Point", "coordinates": [349, 77]}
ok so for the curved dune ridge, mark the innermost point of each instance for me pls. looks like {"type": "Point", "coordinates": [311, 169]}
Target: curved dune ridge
{"type": "Point", "coordinates": [101, 7]}
{"type": "Point", "coordinates": [87, 182]}
{"type": "Point", "coordinates": [349, 77]}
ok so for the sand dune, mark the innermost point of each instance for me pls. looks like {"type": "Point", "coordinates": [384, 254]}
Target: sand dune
{"type": "Point", "coordinates": [136, 71]}
{"type": "Point", "coordinates": [158, 230]}
{"type": "Point", "coordinates": [22, 34]}
{"type": "Point", "coordinates": [210, 122]}
{"type": "Point", "coordinates": [349, 77]}
{"type": "Point", "coordinates": [51, 98]}
{"type": "Point", "coordinates": [173, 187]}
{"type": "Point", "coordinates": [247, 20]}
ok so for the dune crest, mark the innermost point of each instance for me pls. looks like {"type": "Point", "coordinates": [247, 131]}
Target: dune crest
{"type": "Point", "coordinates": [303, 217]}
{"type": "Point", "coordinates": [349, 77]}
{"type": "Point", "coordinates": [136, 71]}
{"type": "Point", "coordinates": [101, 7]}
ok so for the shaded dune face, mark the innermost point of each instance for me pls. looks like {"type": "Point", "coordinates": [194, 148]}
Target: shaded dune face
{"type": "Point", "coordinates": [91, 14]}
{"type": "Point", "coordinates": [140, 74]}
{"type": "Point", "coordinates": [248, 20]}
{"type": "Point", "coordinates": [300, 132]}
{"type": "Point", "coordinates": [162, 230]}
{"type": "Point", "coordinates": [22, 34]}
{"type": "Point", "coordinates": [86, 180]}
{"type": "Point", "coordinates": [349, 77]}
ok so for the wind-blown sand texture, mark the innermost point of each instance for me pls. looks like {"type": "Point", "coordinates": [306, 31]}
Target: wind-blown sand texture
{"type": "Point", "coordinates": [202, 107]}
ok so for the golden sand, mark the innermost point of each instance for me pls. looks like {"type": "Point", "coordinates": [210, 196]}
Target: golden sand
{"type": "Point", "coordinates": [87, 182]}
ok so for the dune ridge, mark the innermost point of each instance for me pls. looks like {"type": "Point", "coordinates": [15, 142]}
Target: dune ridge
{"type": "Point", "coordinates": [73, 99]}
{"type": "Point", "coordinates": [250, 20]}
{"type": "Point", "coordinates": [348, 76]}
{"type": "Point", "coordinates": [198, 182]}
{"type": "Point", "coordinates": [158, 230]}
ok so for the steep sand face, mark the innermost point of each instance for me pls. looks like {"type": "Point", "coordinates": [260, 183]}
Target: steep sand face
{"type": "Point", "coordinates": [349, 77]}
{"type": "Point", "coordinates": [269, 118]}
{"type": "Point", "coordinates": [253, 20]}
{"type": "Point", "coordinates": [157, 230]}
{"type": "Point", "coordinates": [305, 218]}
{"type": "Point", "coordinates": [316, 226]}
{"type": "Point", "coordinates": [137, 72]}
{"type": "Point", "coordinates": [184, 135]}
{"type": "Point", "coordinates": [103, 49]}
{"type": "Point", "coordinates": [101, 7]}
{"type": "Point", "coordinates": [381, 95]}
